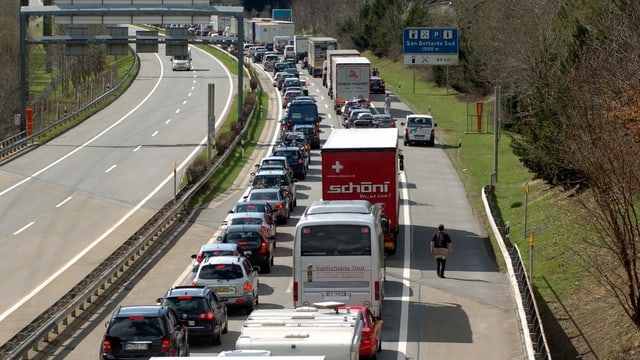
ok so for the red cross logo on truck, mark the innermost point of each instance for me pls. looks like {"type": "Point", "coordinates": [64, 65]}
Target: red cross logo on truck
{"type": "Point", "coordinates": [353, 74]}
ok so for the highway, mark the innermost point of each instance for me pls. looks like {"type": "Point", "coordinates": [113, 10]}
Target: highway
{"type": "Point", "coordinates": [69, 203]}
{"type": "Point", "coordinates": [471, 314]}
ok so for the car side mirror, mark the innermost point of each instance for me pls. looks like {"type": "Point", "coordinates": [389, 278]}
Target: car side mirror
{"type": "Point", "coordinates": [193, 256]}
{"type": "Point", "coordinates": [256, 268]}
{"type": "Point", "coordinates": [401, 123]}
{"type": "Point", "coordinates": [159, 300]}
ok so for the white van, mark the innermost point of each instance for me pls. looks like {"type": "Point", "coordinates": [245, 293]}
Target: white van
{"type": "Point", "coordinates": [289, 52]}
{"type": "Point", "coordinates": [181, 62]}
{"type": "Point", "coordinates": [419, 129]}
{"type": "Point", "coordinates": [338, 255]}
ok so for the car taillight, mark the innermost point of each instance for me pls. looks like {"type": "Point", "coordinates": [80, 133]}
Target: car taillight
{"type": "Point", "coordinates": [209, 316]}
{"type": "Point", "coordinates": [199, 258]}
{"type": "Point", "coordinates": [165, 346]}
{"type": "Point", "coordinates": [377, 296]}
{"type": "Point", "coordinates": [263, 247]}
{"type": "Point", "coordinates": [295, 291]}
{"type": "Point", "coordinates": [248, 286]}
{"type": "Point", "coordinates": [300, 161]}
{"type": "Point", "coordinates": [279, 206]}
{"type": "Point", "coordinates": [406, 131]}
{"type": "Point", "coordinates": [194, 283]}
{"type": "Point", "coordinates": [106, 347]}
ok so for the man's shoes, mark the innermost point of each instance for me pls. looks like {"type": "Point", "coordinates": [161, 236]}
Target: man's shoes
{"type": "Point", "coordinates": [442, 276]}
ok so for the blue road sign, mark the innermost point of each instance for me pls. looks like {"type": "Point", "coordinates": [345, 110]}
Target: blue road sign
{"type": "Point", "coordinates": [421, 41]}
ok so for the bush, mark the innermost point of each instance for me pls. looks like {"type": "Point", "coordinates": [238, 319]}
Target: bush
{"type": "Point", "coordinates": [197, 169]}
{"type": "Point", "coordinates": [224, 141]}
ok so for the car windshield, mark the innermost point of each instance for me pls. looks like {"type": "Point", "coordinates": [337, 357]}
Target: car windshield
{"type": "Point", "coordinates": [250, 208]}
{"type": "Point", "coordinates": [221, 272]}
{"type": "Point", "coordinates": [136, 326]}
{"type": "Point", "coordinates": [219, 252]}
{"type": "Point", "coordinates": [245, 220]}
{"type": "Point", "coordinates": [290, 155]}
{"type": "Point", "coordinates": [264, 195]}
{"type": "Point", "coordinates": [266, 181]}
{"type": "Point", "coordinates": [187, 304]}
{"type": "Point", "coordinates": [420, 121]}
{"type": "Point", "coordinates": [243, 238]}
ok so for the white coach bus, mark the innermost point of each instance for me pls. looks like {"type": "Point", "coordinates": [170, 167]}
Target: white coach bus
{"type": "Point", "coordinates": [338, 255]}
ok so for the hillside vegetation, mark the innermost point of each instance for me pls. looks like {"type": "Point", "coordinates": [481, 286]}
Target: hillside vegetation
{"type": "Point", "coordinates": [567, 74]}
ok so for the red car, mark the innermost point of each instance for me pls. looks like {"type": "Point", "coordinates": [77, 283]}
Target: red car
{"type": "Point", "coordinates": [371, 343]}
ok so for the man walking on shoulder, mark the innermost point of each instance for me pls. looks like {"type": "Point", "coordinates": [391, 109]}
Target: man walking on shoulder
{"type": "Point", "coordinates": [441, 245]}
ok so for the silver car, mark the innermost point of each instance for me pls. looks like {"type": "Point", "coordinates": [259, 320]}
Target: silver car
{"type": "Point", "coordinates": [276, 198]}
{"type": "Point", "coordinates": [233, 278]}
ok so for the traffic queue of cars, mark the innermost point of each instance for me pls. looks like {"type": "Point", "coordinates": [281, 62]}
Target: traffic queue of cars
{"type": "Point", "coordinates": [225, 272]}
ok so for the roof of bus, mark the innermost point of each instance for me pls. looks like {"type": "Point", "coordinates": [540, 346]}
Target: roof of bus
{"type": "Point", "coordinates": [339, 206]}
{"type": "Point", "coordinates": [386, 138]}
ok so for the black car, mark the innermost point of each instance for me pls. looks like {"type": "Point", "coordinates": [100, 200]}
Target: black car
{"type": "Point", "coordinates": [255, 242]}
{"type": "Point", "coordinates": [311, 134]}
{"type": "Point", "coordinates": [376, 85]}
{"type": "Point", "coordinates": [199, 308]}
{"type": "Point", "coordinates": [144, 331]}
{"type": "Point", "coordinates": [296, 160]}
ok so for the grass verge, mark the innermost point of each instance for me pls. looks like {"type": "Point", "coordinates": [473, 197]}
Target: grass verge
{"type": "Point", "coordinates": [543, 214]}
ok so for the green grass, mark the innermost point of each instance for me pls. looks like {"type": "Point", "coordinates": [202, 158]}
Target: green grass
{"type": "Point", "coordinates": [231, 168]}
{"type": "Point", "coordinates": [229, 62]}
{"type": "Point", "coordinates": [552, 217]}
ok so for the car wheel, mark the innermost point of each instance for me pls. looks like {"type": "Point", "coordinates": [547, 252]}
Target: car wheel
{"type": "Point", "coordinates": [266, 267]}
{"type": "Point", "coordinates": [187, 350]}
{"type": "Point", "coordinates": [226, 326]}
{"type": "Point", "coordinates": [295, 202]}
{"type": "Point", "coordinates": [216, 339]}
{"type": "Point", "coordinates": [303, 175]}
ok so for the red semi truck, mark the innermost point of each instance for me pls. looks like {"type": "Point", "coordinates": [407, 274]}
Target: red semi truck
{"type": "Point", "coordinates": [364, 164]}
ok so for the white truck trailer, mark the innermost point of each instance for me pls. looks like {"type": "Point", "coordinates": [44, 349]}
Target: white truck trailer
{"type": "Point", "coordinates": [301, 44]}
{"type": "Point", "coordinates": [334, 333]}
{"type": "Point", "coordinates": [350, 80]}
{"type": "Point", "coordinates": [318, 47]}
{"type": "Point", "coordinates": [336, 53]}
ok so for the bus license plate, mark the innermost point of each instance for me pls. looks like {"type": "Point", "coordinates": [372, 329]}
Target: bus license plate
{"type": "Point", "coordinates": [337, 293]}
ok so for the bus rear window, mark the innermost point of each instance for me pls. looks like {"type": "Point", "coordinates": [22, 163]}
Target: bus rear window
{"type": "Point", "coordinates": [335, 240]}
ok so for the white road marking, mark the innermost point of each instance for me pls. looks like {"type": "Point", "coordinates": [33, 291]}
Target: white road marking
{"type": "Point", "coordinates": [24, 228]}
{"type": "Point", "coordinates": [154, 133]}
{"type": "Point", "coordinates": [63, 202]}
{"type": "Point", "coordinates": [111, 168]}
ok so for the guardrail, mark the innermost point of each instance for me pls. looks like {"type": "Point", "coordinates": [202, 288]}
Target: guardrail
{"type": "Point", "coordinates": [20, 141]}
{"type": "Point", "coordinates": [534, 337]}
{"type": "Point", "coordinates": [110, 272]}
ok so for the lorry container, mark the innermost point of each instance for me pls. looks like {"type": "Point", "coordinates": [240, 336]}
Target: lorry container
{"type": "Point", "coordinates": [285, 28]}
{"type": "Point", "coordinates": [336, 53]}
{"type": "Point", "coordinates": [318, 47]}
{"type": "Point", "coordinates": [364, 164]}
{"type": "Point", "coordinates": [280, 41]}
{"type": "Point", "coordinates": [301, 44]}
{"type": "Point", "coordinates": [350, 80]}
{"type": "Point", "coordinates": [264, 32]}
{"type": "Point", "coordinates": [305, 331]}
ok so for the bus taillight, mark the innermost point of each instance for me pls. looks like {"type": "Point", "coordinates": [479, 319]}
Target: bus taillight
{"type": "Point", "coordinates": [377, 291]}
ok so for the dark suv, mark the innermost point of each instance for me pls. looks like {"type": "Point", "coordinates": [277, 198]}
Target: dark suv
{"type": "Point", "coordinates": [199, 308]}
{"type": "Point", "coordinates": [144, 331]}
{"type": "Point", "coordinates": [296, 160]}
{"type": "Point", "coordinates": [255, 242]}
{"type": "Point", "coordinates": [376, 85]}
{"type": "Point", "coordinates": [311, 133]}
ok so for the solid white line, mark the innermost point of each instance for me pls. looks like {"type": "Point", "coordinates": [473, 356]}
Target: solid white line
{"type": "Point", "coordinates": [63, 202]}
{"type": "Point", "coordinates": [24, 228]}
{"type": "Point", "coordinates": [82, 253]}
{"type": "Point", "coordinates": [406, 273]}
{"type": "Point", "coordinates": [14, 186]}
{"type": "Point", "coordinates": [110, 168]}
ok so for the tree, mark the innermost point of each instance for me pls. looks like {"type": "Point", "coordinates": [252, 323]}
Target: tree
{"type": "Point", "coordinates": [602, 128]}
